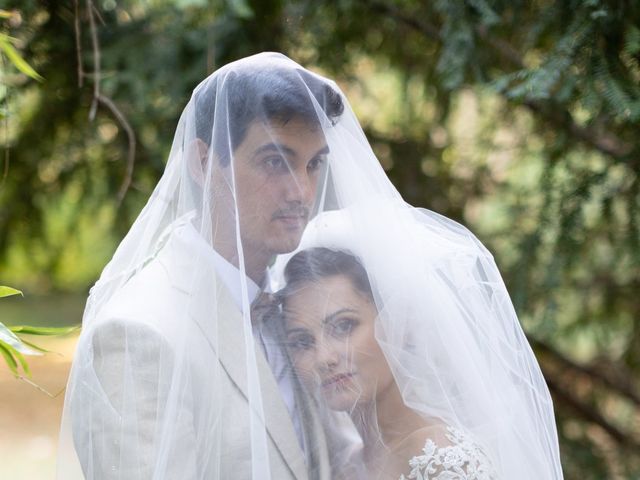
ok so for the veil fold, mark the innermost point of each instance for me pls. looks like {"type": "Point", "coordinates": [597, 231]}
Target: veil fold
{"type": "Point", "coordinates": [448, 330]}
{"type": "Point", "coordinates": [174, 378]}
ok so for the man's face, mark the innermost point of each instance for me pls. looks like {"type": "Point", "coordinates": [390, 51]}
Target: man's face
{"type": "Point", "coordinates": [276, 169]}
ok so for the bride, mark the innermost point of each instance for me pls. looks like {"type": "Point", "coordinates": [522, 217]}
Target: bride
{"type": "Point", "coordinates": [398, 317]}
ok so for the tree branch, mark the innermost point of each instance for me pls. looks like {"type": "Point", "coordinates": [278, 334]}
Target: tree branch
{"type": "Point", "coordinates": [99, 98]}
{"type": "Point", "coordinates": [589, 413]}
{"type": "Point", "coordinates": [605, 142]}
{"type": "Point", "coordinates": [5, 101]}
{"type": "Point", "coordinates": [96, 61]}
{"type": "Point", "coordinates": [76, 27]}
{"type": "Point", "coordinates": [131, 155]}
{"type": "Point", "coordinates": [624, 389]}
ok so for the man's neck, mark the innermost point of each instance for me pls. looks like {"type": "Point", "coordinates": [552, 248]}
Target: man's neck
{"type": "Point", "coordinates": [255, 265]}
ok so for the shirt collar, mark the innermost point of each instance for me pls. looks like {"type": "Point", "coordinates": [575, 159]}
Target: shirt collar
{"type": "Point", "coordinates": [228, 273]}
{"type": "Point", "coordinates": [231, 277]}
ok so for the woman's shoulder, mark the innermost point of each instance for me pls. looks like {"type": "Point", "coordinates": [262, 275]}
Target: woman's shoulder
{"type": "Point", "coordinates": [442, 450]}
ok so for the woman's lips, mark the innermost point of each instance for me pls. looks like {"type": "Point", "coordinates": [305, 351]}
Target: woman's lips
{"type": "Point", "coordinates": [337, 380]}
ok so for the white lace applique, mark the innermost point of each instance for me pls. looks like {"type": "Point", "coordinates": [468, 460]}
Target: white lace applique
{"type": "Point", "coordinates": [463, 460]}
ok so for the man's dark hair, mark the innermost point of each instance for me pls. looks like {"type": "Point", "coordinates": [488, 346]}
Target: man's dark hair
{"type": "Point", "coordinates": [318, 263]}
{"type": "Point", "coordinates": [274, 95]}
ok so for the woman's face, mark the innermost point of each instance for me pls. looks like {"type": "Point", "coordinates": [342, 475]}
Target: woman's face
{"type": "Point", "coordinates": [330, 336]}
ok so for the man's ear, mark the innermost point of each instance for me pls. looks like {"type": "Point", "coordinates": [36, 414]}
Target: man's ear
{"type": "Point", "coordinates": [197, 161]}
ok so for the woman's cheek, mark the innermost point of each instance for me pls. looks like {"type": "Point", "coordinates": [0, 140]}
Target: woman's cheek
{"type": "Point", "coordinates": [304, 367]}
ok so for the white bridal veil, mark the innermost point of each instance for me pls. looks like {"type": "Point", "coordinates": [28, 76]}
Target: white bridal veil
{"type": "Point", "coordinates": [449, 333]}
{"type": "Point", "coordinates": [174, 378]}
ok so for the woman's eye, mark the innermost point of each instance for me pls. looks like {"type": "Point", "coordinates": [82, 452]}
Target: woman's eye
{"type": "Point", "coordinates": [343, 327]}
{"type": "Point", "coordinates": [301, 342]}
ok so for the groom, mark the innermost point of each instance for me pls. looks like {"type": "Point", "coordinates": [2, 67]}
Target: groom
{"type": "Point", "coordinates": [155, 399]}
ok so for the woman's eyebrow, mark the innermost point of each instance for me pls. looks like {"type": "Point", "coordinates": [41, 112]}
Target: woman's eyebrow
{"type": "Point", "coordinates": [296, 330]}
{"type": "Point", "coordinates": [337, 313]}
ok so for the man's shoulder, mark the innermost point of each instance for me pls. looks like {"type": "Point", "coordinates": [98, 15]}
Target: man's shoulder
{"type": "Point", "coordinates": [146, 292]}
{"type": "Point", "coordinates": [176, 285]}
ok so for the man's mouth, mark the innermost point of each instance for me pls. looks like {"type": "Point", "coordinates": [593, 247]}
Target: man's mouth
{"type": "Point", "coordinates": [293, 218]}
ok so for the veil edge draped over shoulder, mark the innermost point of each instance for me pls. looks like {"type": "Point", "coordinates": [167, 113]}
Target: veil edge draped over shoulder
{"type": "Point", "coordinates": [174, 377]}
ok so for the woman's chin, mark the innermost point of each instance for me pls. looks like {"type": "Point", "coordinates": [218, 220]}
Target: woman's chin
{"type": "Point", "coordinates": [342, 400]}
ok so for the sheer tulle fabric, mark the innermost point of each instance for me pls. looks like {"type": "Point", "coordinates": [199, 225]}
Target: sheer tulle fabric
{"type": "Point", "coordinates": [449, 333]}
{"type": "Point", "coordinates": [174, 379]}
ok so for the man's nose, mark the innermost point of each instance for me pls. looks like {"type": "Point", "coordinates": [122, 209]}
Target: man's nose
{"type": "Point", "coordinates": [300, 188]}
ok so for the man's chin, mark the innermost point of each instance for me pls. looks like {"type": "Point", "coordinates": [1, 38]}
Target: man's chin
{"type": "Point", "coordinates": [285, 246]}
{"type": "Point", "coordinates": [287, 242]}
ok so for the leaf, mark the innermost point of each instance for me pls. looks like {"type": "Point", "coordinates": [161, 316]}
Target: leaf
{"type": "Point", "coordinates": [487, 15]}
{"type": "Point", "coordinates": [6, 14]}
{"type": "Point", "coordinates": [16, 59]}
{"type": "Point", "coordinates": [15, 354]}
{"type": "Point", "coordinates": [185, 4]}
{"type": "Point", "coordinates": [9, 338]}
{"type": "Point", "coordinates": [35, 347]}
{"type": "Point", "coordinates": [632, 40]}
{"type": "Point", "coordinates": [23, 363]}
{"type": "Point", "coordinates": [29, 330]}
{"type": "Point", "coordinates": [240, 8]}
{"type": "Point", "coordinates": [11, 362]}
{"type": "Point", "coordinates": [8, 291]}
{"type": "Point", "coordinates": [11, 354]}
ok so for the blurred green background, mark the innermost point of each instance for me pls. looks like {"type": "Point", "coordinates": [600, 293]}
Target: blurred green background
{"type": "Point", "coordinates": [519, 119]}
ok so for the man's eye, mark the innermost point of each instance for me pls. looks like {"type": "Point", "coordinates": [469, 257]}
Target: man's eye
{"type": "Point", "coordinates": [301, 342]}
{"type": "Point", "coordinates": [275, 163]}
{"type": "Point", "coordinates": [316, 163]}
{"type": "Point", "coordinates": [343, 327]}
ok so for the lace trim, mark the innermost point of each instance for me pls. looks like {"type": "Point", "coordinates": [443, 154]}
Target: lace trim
{"type": "Point", "coordinates": [463, 460]}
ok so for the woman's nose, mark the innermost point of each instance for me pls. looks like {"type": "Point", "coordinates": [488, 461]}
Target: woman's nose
{"type": "Point", "coordinates": [327, 357]}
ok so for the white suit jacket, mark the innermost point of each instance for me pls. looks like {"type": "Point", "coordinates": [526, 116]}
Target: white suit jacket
{"type": "Point", "coordinates": [162, 388]}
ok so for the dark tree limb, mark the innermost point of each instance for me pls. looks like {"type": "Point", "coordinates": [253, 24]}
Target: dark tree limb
{"type": "Point", "coordinates": [96, 60]}
{"type": "Point", "coordinates": [605, 142]}
{"type": "Point", "coordinates": [131, 155]}
{"type": "Point", "coordinates": [100, 98]}
{"type": "Point", "coordinates": [76, 28]}
{"type": "Point", "coordinates": [563, 395]}
{"type": "Point", "coordinates": [625, 389]}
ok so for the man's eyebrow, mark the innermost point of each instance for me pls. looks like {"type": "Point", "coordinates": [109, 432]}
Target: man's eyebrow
{"type": "Point", "coordinates": [323, 151]}
{"type": "Point", "coordinates": [337, 313]}
{"type": "Point", "coordinates": [281, 148]}
{"type": "Point", "coordinates": [275, 147]}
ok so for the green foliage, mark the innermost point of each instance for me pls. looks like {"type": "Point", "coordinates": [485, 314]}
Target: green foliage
{"type": "Point", "coordinates": [519, 119]}
{"type": "Point", "coordinates": [13, 348]}
{"type": "Point", "coordinates": [11, 53]}
{"type": "Point", "coordinates": [8, 292]}
{"type": "Point", "coordinates": [15, 58]}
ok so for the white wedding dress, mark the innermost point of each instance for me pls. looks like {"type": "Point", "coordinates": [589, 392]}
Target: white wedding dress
{"type": "Point", "coordinates": [462, 459]}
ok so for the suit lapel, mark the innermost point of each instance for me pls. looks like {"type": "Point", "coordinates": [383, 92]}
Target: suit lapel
{"type": "Point", "coordinates": [232, 354]}
{"type": "Point", "coordinates": [193, 272]}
